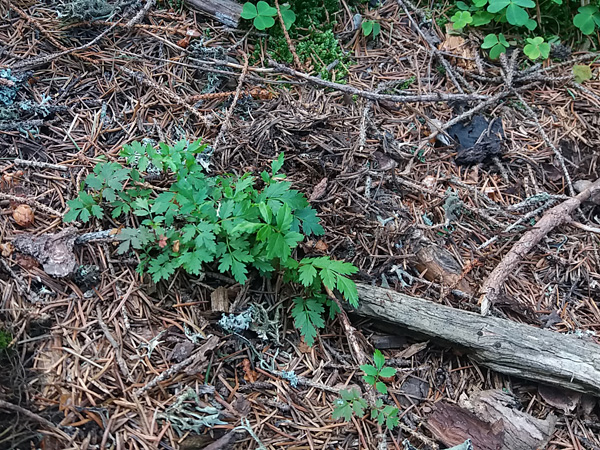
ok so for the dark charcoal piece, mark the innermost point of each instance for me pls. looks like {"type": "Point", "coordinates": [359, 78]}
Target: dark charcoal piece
{"type": "Point", "coordinates": [478, 140]}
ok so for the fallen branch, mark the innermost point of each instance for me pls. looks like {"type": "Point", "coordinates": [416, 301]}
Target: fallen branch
{"type": "Point", "coordinates": [41, 60]}
{"type": "Point", "coordinates": [189, 362]}
{"type": "Point", "coordinates": [143, 79]}
{"type": "Point", "coordinates": [225, 11]}
{"type": "Point", "coordinates": [141, 14]}
{"type": "Point", "coordinates": [437, 97]}
{"type": "Point", "coordinates": [554, 217]}
{"type": "Point", "coordinates": [39, 164]}
{"type": "Point", "coordinates": [499, 344]}
{"type": "Point", "coordinates": [115, 345]}
{"type": "Point", "coordinates": [227, 120]}
{"type": "Point", "coordinates": [30, 202]}
{"type": "Point", "coordinates": [31, 415]}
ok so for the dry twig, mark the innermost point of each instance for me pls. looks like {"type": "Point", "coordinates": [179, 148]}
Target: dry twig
{"type": "Point", "coordinates": [556, 216]}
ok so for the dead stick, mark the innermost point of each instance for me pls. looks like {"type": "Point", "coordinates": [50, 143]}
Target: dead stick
{"type": "Point", "coordinates": [39, 164]}
{"type": "Point", "coordinates": [436, 97]}
{"type": "Point", "coordinates": [287, 36]}
{"type": "Point", "coordinates": [30, 202]}
{"type": "Point", "coordinates": [141, 13]}
{"type": "Point", "coordinates": [115, 345]}
{"type": "Point", "coordinates": [209, 344]}
{"type": "Point", "coordinates": [40, 60]}
{"type": "Point", "coordinates": [143, 79]}
{"type": "Point", "coordinates": [556, 216]}
{"type": "Point", "coordinates": [227, 120]}
{"type": "Point", "coordinates": [19, 409]}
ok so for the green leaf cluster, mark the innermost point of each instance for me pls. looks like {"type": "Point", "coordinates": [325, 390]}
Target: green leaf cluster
{"type": "Point", "coordinates": [351, 403]}
{"type": "Point", "coordinates": [496, 44]}
{"type": "Point", "coordinates": [371, 27]}
{"type": "Point", "coordinates": [316, 44]}
{"type": "Point", "coordinates": [263, 15]}
{"type": "Point", "coordinates": [236, 223]}
{"type": "Point", "coordinates": [312, 273]}
{"type": "Point", "coordinates": [555, 19]}
{"type": "Point", "coordinates": [587, 19]}
{"type": "Point", "coordinates": [373, 374]}
{"type": "Point", "coordinates": [536, 48]}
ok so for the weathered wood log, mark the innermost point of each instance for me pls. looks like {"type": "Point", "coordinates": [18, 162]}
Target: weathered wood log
{"type": "Point", "coordinates": [225, 11]}
{"type": "Point", "coordinates": [501, 345]}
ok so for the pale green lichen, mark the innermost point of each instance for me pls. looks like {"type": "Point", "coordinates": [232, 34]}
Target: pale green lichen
{"type": "Point", "coordinates": [188, 414]}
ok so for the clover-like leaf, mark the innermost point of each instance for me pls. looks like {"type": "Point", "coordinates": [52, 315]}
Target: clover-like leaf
{"type": "Point", "coordinates": [249, 11]}
{"type": "Point", "coordinates": [262, 14]}
{"type": "Point", "coordinates": [498, 5]}
{"type": "Point", "coordinates": [461, 19]}
{"type": "Point", "coordinates": [264, 9]}
{"type": "Point", "coordinates": [516, 15]}
{"type": "Point", "coordinates": [536, 47]}
{"type": "Point", "coordinates": [587, 18]}
{"type": "Point", "coordinates": [489, 41]}
{"type": "Point", "coordinates": [263, 22]}
{"type": "Point", "coordinates": [481, 18]}
{"type": "Point", "coordinates": [288, 16]}
{"type": "Point", "coordinates": [496, 44]}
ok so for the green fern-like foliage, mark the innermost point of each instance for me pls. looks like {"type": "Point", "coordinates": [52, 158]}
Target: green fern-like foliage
{"type": "Point", "coordinates": [226, 221]}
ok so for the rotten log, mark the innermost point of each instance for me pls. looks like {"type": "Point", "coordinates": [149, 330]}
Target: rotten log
{"type": "Point", "coordinates": [502, 345]}
{"type": "Point", "coordinates": [227, 12]}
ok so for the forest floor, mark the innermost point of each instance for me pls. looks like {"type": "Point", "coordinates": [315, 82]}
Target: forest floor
{"type": "Point", "coordinates": [84, 359]}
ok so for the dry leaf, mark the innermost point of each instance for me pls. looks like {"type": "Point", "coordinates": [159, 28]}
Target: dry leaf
{"type": "Point", "coordinates": [184, 42]}
{"type": "Point", "coordinates": [304, 348]}
{"type": "Point", "coordinates": [6, 249]}
{"type": "Point", "coordinates": [26, 262]}
{"type": "Point", "coordinates": [319, 190]}
{"type": "Point", "coordinates": [176, 246]}
{"type": "Point", "coordinates": [23, 215]}
{"type": "Point", "coordinates": [458, 46]}
{"type": "Point", "coordinates": [249, 375]}
{"type": "Point", "coordinates": [318, 246]}
{"type": "Point", "coordinates": [560, 398]}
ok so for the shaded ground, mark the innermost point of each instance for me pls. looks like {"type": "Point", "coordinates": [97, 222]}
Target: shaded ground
{"type": "Point", "coordinates": [386, 191]}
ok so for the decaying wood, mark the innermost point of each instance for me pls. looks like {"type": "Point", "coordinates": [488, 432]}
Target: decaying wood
{"type": "Point", "coordinates": [225, 11]}
{"type": "Point", "coordinates": [502, 345]}
{"type": "Point", "coordinates": [554, 217]}
{"type": "Point", "coordinates": [453, 425]}
{"type": "Point", "coordinates": [521, 431]}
